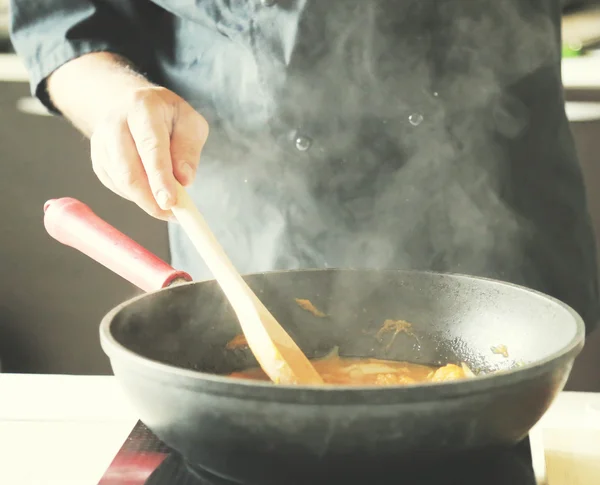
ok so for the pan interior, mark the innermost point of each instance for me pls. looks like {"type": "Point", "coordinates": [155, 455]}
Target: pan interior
{"type": "Point", "coordinates": [453, 319]}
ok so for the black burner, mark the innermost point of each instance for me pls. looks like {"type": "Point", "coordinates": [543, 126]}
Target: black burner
{"type": "Point", "coordinates": [174, 471]}
{"type": "Point", "coordinates": [144, 460]}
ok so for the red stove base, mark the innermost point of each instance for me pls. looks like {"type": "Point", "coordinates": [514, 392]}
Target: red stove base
{"type": "Point", "coordinates": [145, 460]}
{"type": "Point", "coordinates": [138, 458]}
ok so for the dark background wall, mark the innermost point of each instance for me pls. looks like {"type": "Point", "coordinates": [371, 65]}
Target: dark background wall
{"type": "Point", "coordinates": [52, 298]}
{"type": "Point", "coordinates": [586, 374]}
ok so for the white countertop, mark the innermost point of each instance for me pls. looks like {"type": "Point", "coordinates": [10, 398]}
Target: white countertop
{"type": "Point", "coordinates": [60, 430]}
{"type": "Point", "coordinates": [12, 69]}
{"type": "Point", "coordinates": [67, 429]}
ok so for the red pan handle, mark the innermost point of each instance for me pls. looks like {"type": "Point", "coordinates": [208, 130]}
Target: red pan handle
{"type": "Point", "coordinates": [74, 224]}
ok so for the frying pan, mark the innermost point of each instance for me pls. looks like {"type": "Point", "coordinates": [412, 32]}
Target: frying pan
{"type": "Point", "coordinates": [168, 350]}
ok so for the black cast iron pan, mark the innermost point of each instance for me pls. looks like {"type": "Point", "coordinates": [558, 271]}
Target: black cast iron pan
{"type": "Point", "coordinates": [168, 350]}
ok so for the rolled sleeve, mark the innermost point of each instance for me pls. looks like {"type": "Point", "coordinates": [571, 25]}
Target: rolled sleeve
{"type": "Point", "coordinates": [48, 33]}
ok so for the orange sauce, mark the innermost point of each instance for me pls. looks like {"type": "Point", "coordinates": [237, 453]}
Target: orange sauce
{"type": "Point", "coordinates": [372, 372]}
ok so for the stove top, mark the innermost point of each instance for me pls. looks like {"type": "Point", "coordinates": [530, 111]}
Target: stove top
{"type": "Point", "coordinates": [145, 460]}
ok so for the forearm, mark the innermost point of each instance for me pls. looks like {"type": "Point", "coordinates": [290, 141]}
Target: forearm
{"type": "Point", "coordinates": [84, 89]}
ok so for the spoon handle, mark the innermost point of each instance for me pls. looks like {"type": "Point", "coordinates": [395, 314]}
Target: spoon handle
{"type": "Point", "coordinates": [276, 352]}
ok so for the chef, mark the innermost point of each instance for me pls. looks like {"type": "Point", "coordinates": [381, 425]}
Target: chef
{"type": "Point", "coordinates": [343, 133]}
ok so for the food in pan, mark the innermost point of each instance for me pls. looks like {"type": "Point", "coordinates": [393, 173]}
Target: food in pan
{"type": "Point", "coordinates": [237, 342]}
{"type": "Point", "coordinates": [500, 350]}
{"type": "Point", "coordinates": [366, 371]}
{"type": "Point", "coordinates": [309, 307]}
{"type": "Point", "coordinates": [394, 327]}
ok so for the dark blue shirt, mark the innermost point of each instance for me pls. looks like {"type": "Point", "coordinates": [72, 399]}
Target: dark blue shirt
{"type": "Point", "coordinates": [426, 134]}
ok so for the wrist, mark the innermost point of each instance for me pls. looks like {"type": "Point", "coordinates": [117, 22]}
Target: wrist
{"type": "Point", "coordinates": [89, 87]}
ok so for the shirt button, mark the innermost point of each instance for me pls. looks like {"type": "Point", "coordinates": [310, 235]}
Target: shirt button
{"type": "Point", "coordinates": [268, 3]}
{"type": "Point", "coordinates": [303, 143]}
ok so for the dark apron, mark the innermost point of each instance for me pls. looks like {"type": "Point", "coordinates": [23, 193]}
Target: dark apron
{"type": "Point", "coordinates": [385, 134]}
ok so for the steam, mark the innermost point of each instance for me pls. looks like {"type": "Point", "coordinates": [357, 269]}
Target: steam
{"type": "Point", "coordinates": [404, 104]}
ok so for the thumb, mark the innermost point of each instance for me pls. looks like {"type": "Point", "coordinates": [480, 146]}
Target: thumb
{"type": "Point", "coordinates": [190, 131]}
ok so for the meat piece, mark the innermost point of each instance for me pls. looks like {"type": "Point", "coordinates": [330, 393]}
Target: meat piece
{"type": "Point", "coordinates": [449, 372]}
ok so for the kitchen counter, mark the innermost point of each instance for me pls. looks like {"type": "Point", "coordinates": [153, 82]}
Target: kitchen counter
{"type": "Point", "coordinates": [12, 69]}
{"type": "Point", "coordinates": [565, 443]}
{"type": "Point", "coordinates": [60, 430]}
{"type": "Point", "coordinates": [67, 429]}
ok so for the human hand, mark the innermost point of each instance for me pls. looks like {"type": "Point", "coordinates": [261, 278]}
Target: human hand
{"type": "Point", "coordinates": [149, 140]}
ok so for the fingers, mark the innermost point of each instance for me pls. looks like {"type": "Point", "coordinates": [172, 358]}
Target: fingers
{"type": "Point", "coordinates": [127, 171]}
{"type": "Point", "coordinates": [189, 135]}
{"type": "Point", "coordinates": [148, 123]}
{"type": "Point", "coordinates": [117, 165]}
{"type": "Point", "coordinates": [145, 146]}
{"type": "Point", "coordinates": [99, 159]}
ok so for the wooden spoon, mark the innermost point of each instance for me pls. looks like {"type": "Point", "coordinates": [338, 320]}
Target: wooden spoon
{"type": "Point", "coordinates": [276, 352]}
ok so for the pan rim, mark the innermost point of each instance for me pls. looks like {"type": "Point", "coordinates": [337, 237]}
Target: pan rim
{"type": "Point", "coordinates": [264, 390]}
